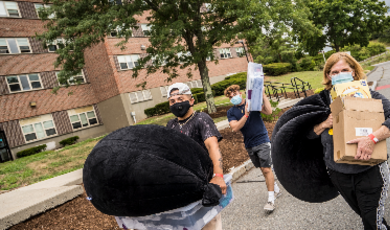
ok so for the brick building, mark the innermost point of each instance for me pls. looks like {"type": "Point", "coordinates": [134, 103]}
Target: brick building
{"type": "Point", "coordinates": [107, 99]}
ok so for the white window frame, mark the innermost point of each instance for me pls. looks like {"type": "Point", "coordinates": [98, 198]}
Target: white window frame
{"type": "Point", "coordinates": [163, 62]}
{"type": "Point", "coordinates": [187, 54]}
{"type": "Point", "coordinates": [143, 95]}
{"type": "Point", "coordinates": [17, 44]}
{"type": "Point", "coordinates": [225, 52]}
{"type": "Point", "coordinates": [128, 58]}
{"type": "Point", "coordinates": [117, 32]}
{"type": "Point", "coordinates": [82, 74]}
{"type": "Point", "coordinates": [241, 51]}
{"type": "Point", "coordinates": [33, 125]}
{"type": "Point", "coordinates": [44, 6]}
{"type": "Point", "coordinates": [166, 91]}
{"type": "Point", "coordinates": [6, 10]}
{"type": "Point", "coordinates": [55, 43]}
{"type": "Point", "coordinates": [20, 84]}
{"type": "Point", "coordinates": [145, 27]}
{"type": "Point", "coordinates": [89, 124]}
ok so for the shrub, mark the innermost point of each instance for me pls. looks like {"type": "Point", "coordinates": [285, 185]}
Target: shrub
{"type": "Point", "coordinates": [276, 69]}
{"type": "Point", "coordinates": [307, 64]}
{"type": "Point", "coordinates": [69, 141]}
{"type": "Point", "coordinates": [199, 97]}
{"type": "Point", "coordinates": [196, 90]}
{"type": "Point", "coordinates": [237, 75]}
{"type": "Point", "coordinates": [329, 53]}
{"type": "Point", "coordinates": [150, 112]}
{"type": "Point", "coordinates": [363, 54]}
{"type": "Point", "coordinates": [274, 115]}
{"type": "Point", "coordinates": [376, 48]}
{"type": "Point", "coordinates": [162, 108]}
{"type": "Point", "coordinates": [220, 87]}
{"type": "Point", "coordinates": [31, 151]}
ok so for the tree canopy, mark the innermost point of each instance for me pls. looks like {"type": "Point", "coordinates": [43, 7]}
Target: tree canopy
{"type": "Point", "coordinates": [183, 32]}
{"type": "Point", "coordinates": [344, 22]}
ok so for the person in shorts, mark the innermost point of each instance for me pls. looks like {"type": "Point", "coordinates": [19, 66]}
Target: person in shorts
{"type": "Point", "coordinates": [201, 128]}
{"type": "Point", "coordinates": [256, 138]}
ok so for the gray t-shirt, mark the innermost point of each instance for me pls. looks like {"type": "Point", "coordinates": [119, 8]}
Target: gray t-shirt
{"type": "Point", "coordinates": [199, 127]}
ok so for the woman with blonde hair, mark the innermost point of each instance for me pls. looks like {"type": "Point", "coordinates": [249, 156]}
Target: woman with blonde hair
{"type": "Point", "coordinates": [364, 188]}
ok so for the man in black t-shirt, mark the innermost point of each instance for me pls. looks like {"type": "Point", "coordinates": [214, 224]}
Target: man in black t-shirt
{"type": "Point", "coordinates": [201, 128]}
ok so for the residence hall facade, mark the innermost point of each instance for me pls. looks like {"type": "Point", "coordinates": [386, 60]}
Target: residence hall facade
{"type": "Point", "coordinates": [107, 99]}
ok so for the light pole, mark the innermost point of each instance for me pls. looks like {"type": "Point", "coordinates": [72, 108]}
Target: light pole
{"type": "Point", "coordinates": [244, 49]}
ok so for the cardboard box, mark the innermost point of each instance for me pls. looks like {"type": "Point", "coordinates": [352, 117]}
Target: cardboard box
{"type": "Point", "coordinates": [355, 118]}
{"type": "Point", "coordinates": [355, 89]}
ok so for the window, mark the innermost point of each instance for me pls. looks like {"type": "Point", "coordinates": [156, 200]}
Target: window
{"type": "Point", "coordinates": [115, 32]}
{"type": "Point", "coordinates": [14, 45]}
{"type": "Point", "coordinates": [140, 96]}
{"type": "Point", "coordinates": [146, 29]}
{"type": "Point", "coordinates": [82, 117]}
{"type": "Point", "coordinates": [9, 9]}
{"type": "Point", "coordinates": [128, 61]}
{"type": "Point", "coordinates": [164, 90]}
{"type": "Point", "coordinates": [56, 44]}
{"type": "Point", "coordinates": [74, 80]}
{"type": "Point", "coordinates": [24, 82]}
{"type": "Point", "coordinates": [225, 53]}
{"type": "Point", "coordinates": [36, 128]}
{"type": "Point", "coordinates": [162, 60]}
{"type": "Point", "coordinates": [39, 6]}
{"type": "Point", "coordinates": [208, 58]}
{"type": "Point", "coordinates": [240, 51]}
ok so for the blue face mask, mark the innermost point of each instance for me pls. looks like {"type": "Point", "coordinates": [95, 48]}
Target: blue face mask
{"type": "Point", "coordinates": [236, 100]}
{"type": "Point", "coordinates": [343, 77]}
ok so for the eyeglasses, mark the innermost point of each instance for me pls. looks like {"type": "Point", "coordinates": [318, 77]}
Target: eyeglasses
{"type": "Point", "coordinates": [335, 72]}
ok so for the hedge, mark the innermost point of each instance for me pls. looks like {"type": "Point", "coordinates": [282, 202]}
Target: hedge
{"type": "Point", "coordinates": [196, 90]}
{"type": "Point", "coordinates": [237, 75]}
{"type": "Point", "coordinates": [31, 151]}
{"type": "Point", "coordinates": [159, 109]}
{"type": "Point", "coordinates": [69, 141]}
{"type": "Point", "coordinates": [276, 69]}
{"type": "Point", "coordinates": [220, 87]}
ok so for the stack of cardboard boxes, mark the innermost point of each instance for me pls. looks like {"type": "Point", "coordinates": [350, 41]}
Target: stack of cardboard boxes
{"type": "Point", "coordinates": [355, 115]}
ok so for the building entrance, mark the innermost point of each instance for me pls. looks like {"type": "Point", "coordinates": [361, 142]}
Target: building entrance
{"type": "Point", "coordinates": [5, 152]}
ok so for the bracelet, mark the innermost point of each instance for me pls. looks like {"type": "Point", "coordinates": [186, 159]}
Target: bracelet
{"type": "Point", "coordinates": [218, 175]}
{"type": "Point", "coordinates": [373, 138]}
{"type": "Point", "coordinates": [246, 115]}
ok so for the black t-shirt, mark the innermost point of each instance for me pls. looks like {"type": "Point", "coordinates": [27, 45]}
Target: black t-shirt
{"type": "Point", "coordinates": [199, 127]}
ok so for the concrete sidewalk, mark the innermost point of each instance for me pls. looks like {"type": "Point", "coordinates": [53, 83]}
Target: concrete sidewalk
{"type": "Point", "coordinates": [21, 204]}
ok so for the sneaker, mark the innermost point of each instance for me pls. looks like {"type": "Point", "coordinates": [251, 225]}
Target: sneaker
{"type": "Point", "coordinates": [278, 194]}
{"type": "Point", "coordinates": [269, 206]}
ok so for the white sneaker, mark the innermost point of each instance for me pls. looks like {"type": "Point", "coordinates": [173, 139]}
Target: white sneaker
{"type": "Point", "coordinates": [269, 206]}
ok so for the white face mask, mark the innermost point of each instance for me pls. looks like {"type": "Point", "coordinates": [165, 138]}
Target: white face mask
{"type": "Point", "coordinates": [342, 77]}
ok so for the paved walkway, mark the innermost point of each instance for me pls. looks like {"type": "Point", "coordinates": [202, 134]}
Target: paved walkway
{"type": "Point", "coordinates": [247, 212]}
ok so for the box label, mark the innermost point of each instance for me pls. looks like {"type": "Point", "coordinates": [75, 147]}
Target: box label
{"type": "Point", "coordinates": [363, 132]}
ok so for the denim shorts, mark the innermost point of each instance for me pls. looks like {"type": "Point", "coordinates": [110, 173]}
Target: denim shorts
{"type": "Point", "coordinates": [261, 155]}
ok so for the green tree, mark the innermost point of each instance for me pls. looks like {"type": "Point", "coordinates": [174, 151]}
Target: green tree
{"type": "Point", "coordinates": [344, 22]}
{"type": "Point", "coordinates": [188, 27]}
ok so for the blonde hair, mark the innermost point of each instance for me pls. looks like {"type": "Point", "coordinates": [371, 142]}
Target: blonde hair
{"type": "Point", "coordinates": [336, 57]}
{"type": "Point", "coordinates": [231, 89]}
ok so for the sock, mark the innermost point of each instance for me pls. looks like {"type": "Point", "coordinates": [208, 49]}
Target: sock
{"type": "Point", "coordinates": [271, 197]}
{"type": "Point", "coordinates": [276, 188]}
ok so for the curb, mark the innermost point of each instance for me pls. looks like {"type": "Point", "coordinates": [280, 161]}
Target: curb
{"type": "Point", "coordinates": [53, 197]}
{"type": "Point", "coordinates": [368, 74]}
{"type": "Point", "coordinates": [374, 85]}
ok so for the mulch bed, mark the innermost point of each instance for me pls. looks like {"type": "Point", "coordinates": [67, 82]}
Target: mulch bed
{"type": "Point", "coordinates": [79, 213]}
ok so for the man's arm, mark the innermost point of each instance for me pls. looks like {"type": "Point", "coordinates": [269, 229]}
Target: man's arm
{"type": "Point", "coordinates": [216, 157]}
{"type": "Point", "coordinates": [267, 109]}
{"type": "Point", "coordinates": [237, 125]}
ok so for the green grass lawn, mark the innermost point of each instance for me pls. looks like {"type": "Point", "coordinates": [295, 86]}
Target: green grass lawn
{"type": "Point", "coordinates": [44, 165]}
{"type": "Point", "coordinates": [313, 77]}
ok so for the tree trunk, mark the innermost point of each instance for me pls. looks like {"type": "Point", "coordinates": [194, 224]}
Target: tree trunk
{"type": "Point", "coordinates": [337, 47]}
{"type": "Point", "coordinates": [208, 93]}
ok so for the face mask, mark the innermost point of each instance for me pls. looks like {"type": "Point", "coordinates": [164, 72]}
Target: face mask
{"type": "Point", "coordinates": [236, 100]}
{"type": "Point", "coordinates": [180, 109]}
{"type": "Point", "coordinates": [343, 77]}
